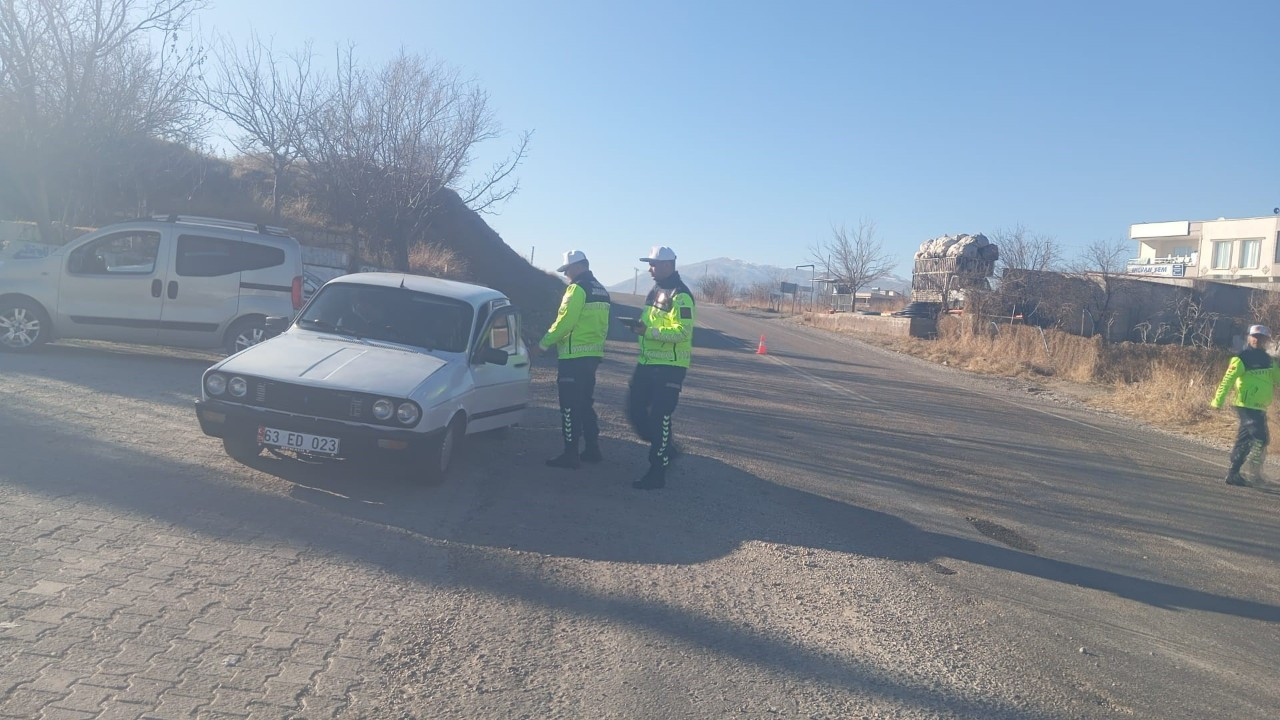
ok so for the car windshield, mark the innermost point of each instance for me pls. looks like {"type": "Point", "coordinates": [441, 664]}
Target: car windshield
{"type": "Point", "coordinates": [391, 314]}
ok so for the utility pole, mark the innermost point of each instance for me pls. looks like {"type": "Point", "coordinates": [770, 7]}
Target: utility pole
{"type": "Point", "coordinates": [635, 286]}
{"type": "Point", "coordinates": [531, 249]}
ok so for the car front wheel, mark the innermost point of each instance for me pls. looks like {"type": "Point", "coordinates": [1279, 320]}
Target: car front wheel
{"type": "Point", "coordinates": [440, 456]}
{"type": "Point", "coordinates": [23, 325]}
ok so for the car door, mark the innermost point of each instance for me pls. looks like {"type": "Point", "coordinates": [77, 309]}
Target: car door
{"type": "Point", "coordinates": [501, 392]}
{"type": "Point", "coordinates": [112, 287]}
{"type": "Point", "coordinates": [202, 294]}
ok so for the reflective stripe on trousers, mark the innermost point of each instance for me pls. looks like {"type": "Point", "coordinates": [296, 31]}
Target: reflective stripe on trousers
{"type": "Point", "coordinates": [651, 400]}
{"type": "Point", "coordinates": [576, 382]}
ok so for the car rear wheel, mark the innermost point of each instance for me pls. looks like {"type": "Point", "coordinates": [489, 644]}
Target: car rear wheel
{"type": "Point", "coordinates": [245, 332]}
{"type": "Point", "coordinates": [23, 325]}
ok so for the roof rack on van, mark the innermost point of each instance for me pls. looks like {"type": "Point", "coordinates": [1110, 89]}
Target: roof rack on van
{"type": "Point", "coordinates": [259, 228]}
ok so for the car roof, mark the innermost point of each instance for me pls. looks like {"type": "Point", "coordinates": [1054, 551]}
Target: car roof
{"type": "Point", "coordinates": [211, 228]}
{"type": "Point", "coordinates": [474, 294]}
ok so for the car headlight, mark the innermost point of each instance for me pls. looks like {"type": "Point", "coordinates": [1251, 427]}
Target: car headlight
{"type": "Point", "coordinates": [215, 384]}
{"type": "Point", "coordinates": [237, 386]}
{"type": "Point", "coordinates": [408, 413]}
{"type": "Point", "coordinates": [384, 409]}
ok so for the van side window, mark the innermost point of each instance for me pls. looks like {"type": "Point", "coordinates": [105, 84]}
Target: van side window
{"type": "Point", "coordinates": [126, 253]}
{"type": "Point", "coordinates": [210, 257]}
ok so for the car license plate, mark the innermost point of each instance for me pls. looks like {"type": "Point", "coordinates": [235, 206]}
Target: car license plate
{"type": "Point", "coordinates": [302, 442]}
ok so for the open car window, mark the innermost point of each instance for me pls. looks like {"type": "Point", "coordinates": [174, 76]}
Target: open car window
{"type": "Point", "coordinates": [501, 333]}
{"type": "Point", "coordinates": [390, 314]}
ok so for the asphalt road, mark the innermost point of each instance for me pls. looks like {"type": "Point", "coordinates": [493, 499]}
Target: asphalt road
{"type": "Point", "coordinates": [851, 533]}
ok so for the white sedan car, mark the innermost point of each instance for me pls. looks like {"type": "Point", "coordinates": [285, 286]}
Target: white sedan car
{"type": "Point", "coordinates": [376, 365]}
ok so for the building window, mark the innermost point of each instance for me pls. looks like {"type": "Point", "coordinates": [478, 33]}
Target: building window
{"type": "Point", "coordinates": [1250, 252]}
{"type": "Point", "coordinates": [1222, 255]}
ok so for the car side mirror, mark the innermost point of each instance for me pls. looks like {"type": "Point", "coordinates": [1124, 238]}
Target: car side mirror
{"type": "Point", "coordinates": [276, 325]}
{"type": "Point", "coordinates": [493, 356]}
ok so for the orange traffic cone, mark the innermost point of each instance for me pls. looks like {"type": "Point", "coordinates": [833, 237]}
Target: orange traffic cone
{"type": "Point", "coordinates": [761, 349]}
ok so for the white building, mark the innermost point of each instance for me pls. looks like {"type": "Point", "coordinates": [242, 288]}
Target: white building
{"type": "Point", "coordinates": [1245, 250]}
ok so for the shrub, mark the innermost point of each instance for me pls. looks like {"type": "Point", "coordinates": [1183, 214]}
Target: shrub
{"type": "Point", "coordinates": [437, 261]}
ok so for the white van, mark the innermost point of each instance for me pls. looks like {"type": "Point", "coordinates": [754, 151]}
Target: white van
{"type": "Point", "coordinates": [169, 280]}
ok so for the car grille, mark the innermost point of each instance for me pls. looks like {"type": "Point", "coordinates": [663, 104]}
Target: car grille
{"type": "Point", "coordinates": [316, 402]}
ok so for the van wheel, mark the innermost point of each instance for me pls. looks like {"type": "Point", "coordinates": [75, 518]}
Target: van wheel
{"type": "Point", "coordinates": [243, 449]}
{"type": "Point", "coordinates": [23, 325]}
{"type": "Point", "coordinates": [440, 456]}
{"type": "Point", "coordinates": [245, 332]}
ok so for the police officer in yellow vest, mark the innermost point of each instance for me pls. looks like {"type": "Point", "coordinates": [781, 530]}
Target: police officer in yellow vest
{"type": "Point", "coordinates": [665, 331]}
{"type": "Point", "coordinates": [1253, 376]}
{"type": "Point", "coordinates": [578, 334]}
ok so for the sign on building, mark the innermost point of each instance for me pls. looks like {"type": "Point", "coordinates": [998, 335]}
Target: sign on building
{"type": "Point", "coordinates": [1160, 269]}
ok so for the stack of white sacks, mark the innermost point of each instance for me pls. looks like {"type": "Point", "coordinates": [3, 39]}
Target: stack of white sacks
{"type": "Point", "coordinates": [968, 247]}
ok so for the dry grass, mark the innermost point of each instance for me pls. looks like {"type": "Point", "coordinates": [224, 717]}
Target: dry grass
{"type": "Point", "coordinates": [1166, 386]}
{"type": "Point", "coordinates": [437, 261]}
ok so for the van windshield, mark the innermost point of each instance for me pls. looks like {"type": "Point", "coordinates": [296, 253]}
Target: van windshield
{"type": "Point", "coordinates": [390, 314]}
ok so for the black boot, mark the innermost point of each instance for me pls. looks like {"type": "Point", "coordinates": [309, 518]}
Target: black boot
{"type": "Point", "coordinates": [652, 480]}
{"type": "Point", "coordinates": [591, 453]}
{"type": "Point", "coordinates": [567, 459]}
{"type": "Point", "coordinates": [1234, 478]}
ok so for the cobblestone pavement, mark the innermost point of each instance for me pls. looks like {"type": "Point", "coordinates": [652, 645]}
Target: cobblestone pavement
{"type": "Point", "coordinates": [146, 576]}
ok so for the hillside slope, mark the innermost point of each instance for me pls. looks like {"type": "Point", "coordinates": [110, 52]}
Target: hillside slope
{"type": "Point", "coordinates": [491, 262]}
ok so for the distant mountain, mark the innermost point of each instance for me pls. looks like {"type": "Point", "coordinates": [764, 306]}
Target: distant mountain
{"type": "Point", "coordinates": [744, 275]}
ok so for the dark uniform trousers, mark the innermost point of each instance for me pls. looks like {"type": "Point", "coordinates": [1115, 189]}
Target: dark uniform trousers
{"type": "Point", "coordinates": [651, 399]}
{"type": "Point", "coordinates": [1251, 437]}
{"type": "Point", "coordinates": [576, 381]}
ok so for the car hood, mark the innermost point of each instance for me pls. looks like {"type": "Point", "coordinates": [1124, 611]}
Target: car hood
{"type": "Point", "coordinates": [327, 361]}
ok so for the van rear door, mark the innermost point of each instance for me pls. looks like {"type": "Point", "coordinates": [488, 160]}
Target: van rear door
{"type": "Point", "coordinates": [202, 295]}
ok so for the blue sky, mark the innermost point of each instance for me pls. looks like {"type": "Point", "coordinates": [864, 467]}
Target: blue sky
{"type": "Point", "coordinates": [747, 129]}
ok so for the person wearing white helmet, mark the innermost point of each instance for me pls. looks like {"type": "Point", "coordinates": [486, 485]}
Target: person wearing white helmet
{"type": "Point", "coordinates": [578, 334]}
{"type": "Point", "coordinates": [1252, 375]}
{"type": "Point", "coordinates": [665, 333]}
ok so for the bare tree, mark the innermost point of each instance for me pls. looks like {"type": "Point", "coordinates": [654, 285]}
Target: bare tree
{"type": "Point", "coordinates": [1149, 332]}
{"type": "Point", "coordinates": [387, 143]}
{"type": "Point", "coordinates": [761, 294]}
{"type": "Point", "coordinates": [716, 288]}
{"type": "Point", "coordinates": [1193, 324]}
{"type": "Point", "coordinates": [1102, 263]}
{"type": "Point", "coordinates": [82, 82]}
{"type": "Point", "coordinates": [1024, 270]}
{"type": "Point", "coordinates": [1264, 309]}
{"type": "Point", "coordinates": [853, 258]}
{"type": "Point", "coordinates": [1021, 249]}
{"type": "Point", "coordinates": [268, 98]}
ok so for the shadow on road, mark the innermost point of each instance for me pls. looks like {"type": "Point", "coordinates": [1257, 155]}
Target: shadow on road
{"type": "Point", "coordinates": [592, 514]}
{"type": "Point", "coordinates": [98, 368]}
